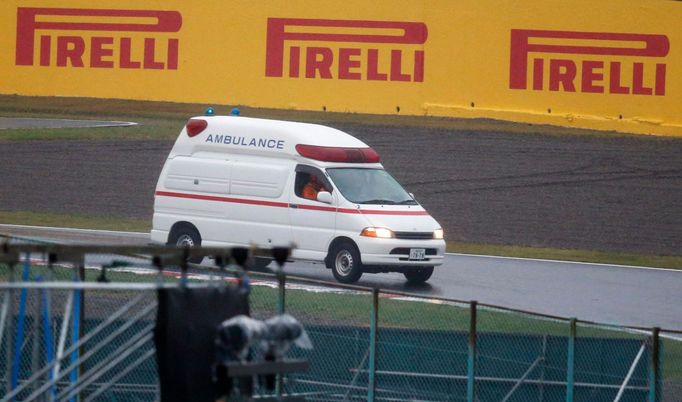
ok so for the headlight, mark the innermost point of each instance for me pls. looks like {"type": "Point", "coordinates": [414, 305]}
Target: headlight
{"type": "Point", "coordinates": [438, 234]}
{"type": "Point", "coordinates": [381, 233]}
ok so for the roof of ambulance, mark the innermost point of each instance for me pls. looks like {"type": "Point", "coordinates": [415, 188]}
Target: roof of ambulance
{"type": "Point", "coordinates": [292, 132]}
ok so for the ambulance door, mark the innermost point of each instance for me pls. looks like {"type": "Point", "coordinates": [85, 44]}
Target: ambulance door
{"type": "Point", "coordinates": [313, 223]}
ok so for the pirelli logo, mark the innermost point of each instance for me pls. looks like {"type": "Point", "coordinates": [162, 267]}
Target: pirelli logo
{"type": "Point", "coordinates": [98, 38]}
{"type": "Point", "coordinates": [592, 62]}
{"type": "Point", "coordinates": [345, 49]}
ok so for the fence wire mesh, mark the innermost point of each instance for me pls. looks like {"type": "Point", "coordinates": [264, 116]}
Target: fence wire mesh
{"type": "Point", "coordinates": [671, 366]}
{"type": "Point", "coordinates": [422, 348]}
{"type": "Point", "coordinates": [67, 343]}
{"type": "Point", "coordinates": [519, 357]}
{"type": "Point", "coordinates": [338, 323]}
{"type": "Point", "coordinates": [611, 363]}
{"type": "Point", "coordinates": [96, 344]}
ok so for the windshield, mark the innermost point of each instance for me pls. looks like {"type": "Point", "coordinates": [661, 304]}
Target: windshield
{"type": "Point", "coordinates": [369, 186]}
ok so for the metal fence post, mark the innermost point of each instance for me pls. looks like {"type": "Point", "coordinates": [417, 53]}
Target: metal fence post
{"type": "Point", "coordinates": [374, 319]}
{"type": "Point", "coordinates": [471, 361]}
{"type": "Point", "coordinates": [9, 330]}
{"type": "Point", "coordinates": [21, 322]}
{"type": "Point", "coordinates": [570, 361]}
{"type": "Point", "coordinates": [654, 366]}
{"type": "Point", "coordinates": [281, 302]}
{"type": "Point", "coordinates": [281, 280]}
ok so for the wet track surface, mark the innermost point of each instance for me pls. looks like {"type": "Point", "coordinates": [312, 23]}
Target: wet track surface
{"type": "Point", "coordinates": [606, 192]}
{"type": "Point", "coordinates": [592, 292]}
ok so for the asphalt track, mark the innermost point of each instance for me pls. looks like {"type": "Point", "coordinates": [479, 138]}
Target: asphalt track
{"type": "Point", "coordinates": [609, 191]}
{"type": "Point", "coordinates": [605, 191]}
{"type": "Point", "coordinates": [644, 297]}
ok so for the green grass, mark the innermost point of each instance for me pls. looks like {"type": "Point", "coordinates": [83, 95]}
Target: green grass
{"type": "Point", "coordinates": [673, 262]}
{"type": "Point", "coordinates": [75, 221]}
{"type": "Point", "coordinates": [164, 120]}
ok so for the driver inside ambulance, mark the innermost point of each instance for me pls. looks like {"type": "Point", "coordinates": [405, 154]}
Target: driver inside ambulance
{"type": "Point", "coordinates": [313, 187]}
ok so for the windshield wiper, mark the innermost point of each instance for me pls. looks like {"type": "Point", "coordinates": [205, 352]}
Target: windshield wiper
{"type": "Point", "coordinates": [408, 202]}
{"type": "Point", "coordinates": [378, 201]}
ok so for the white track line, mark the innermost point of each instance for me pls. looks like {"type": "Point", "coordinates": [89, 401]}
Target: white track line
{"type": "Point", "coordinates": [566, 262]}
{"type": "Point", "coordinates": [90, 123]}
{"type": "Point", "coordinates": [77, 230]}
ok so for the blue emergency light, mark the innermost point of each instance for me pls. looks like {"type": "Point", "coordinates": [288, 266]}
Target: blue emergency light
{"type": "Point", "coordinates": [209, 112]}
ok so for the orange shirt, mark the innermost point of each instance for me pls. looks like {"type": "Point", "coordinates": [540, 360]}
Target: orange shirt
{"type": "Point", "coordinates": [310, 191]}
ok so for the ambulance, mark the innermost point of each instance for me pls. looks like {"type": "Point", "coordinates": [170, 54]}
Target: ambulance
{"type": "Point", "coordinates": [238, 181]}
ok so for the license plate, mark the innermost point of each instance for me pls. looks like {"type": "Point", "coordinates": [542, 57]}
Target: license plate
{"type": "Point", "coordinates": [417, 253]}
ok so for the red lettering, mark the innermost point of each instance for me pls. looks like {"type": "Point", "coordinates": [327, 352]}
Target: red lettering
{"type": "Point", "coordinates": [98, 52]}
{"type": "Point", "coordinates": [373, 73]}
{"type": "Point", "coordinates": [29, 21]}
{"type": "Point", "coordinates": [660, 80]}
{"type": "Point", "coordinates": [638, 87]}
{"type": "Point", "coordinates": [419, 66]}
{"type": "Point", "coordinates": [589, 76]}
{"type": "Point", "coordinates": [294, 61]}
{"type": "Point", "coordinates": [643, 45]}
{"type": "Point", "coordinates": [70, 48]}
{"type": "Point", "coordinates": [280, 30]}
{"type": "Point", "coordinates": [45, 53]}
{"type": "Point", "coordinates": [149, 53]}
{"type": "Point", "coordinates": [173, 49]}
{"type": "Point", "coordinates": [396, 66]}
{"type": "Point", "coordinates": [346, 64]}
{"type": "Point", "coordinates": [614, 79]}
{"type": "Point", "coordinates": [538, 73]}
{"type": "Point", "coordinates": [125, 58]}
{"type": "Point", "coordinates": [322, 65]}
{"type": "Point", "coordinates": [562, 72]}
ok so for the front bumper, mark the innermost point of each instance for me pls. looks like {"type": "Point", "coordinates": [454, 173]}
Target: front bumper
{"type": "Point", "coordinates": [395, 252]}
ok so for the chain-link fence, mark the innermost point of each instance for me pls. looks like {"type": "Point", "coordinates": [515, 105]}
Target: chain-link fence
{"type": "Point", "coordinates": [76, 330]}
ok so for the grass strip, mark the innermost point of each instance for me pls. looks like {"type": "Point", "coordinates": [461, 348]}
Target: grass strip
{"type": "Point", "coordinates": [164, 120]}
{"type": "Point", "coordinates": [75, 221]}
{"type": "Point", "coordinates": [544, 253]}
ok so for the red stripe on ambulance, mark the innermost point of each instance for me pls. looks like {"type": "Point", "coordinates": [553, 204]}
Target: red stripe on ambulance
{"type": "Point", "coordinates": [286, 205]}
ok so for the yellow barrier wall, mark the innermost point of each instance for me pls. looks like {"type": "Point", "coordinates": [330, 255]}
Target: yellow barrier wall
{"type": "Point", "coordinates": [607, 64]}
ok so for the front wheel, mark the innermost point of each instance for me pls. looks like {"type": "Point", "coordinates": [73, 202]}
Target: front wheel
{"type": "Point", "coordinates": [346, 265]}
{"type": "Point", "coordinates": [418, 275]}
{"type": "Point", "coordinates": [186, 237]}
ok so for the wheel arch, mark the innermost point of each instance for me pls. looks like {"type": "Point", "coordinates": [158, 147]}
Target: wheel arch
{"type": "Point", "coordinates": [177, 226]}
{"type": "Point", "coordinates": [328, 260]}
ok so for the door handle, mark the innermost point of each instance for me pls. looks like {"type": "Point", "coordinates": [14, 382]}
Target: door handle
{"type": "Point", "coordinates": [293, 205]}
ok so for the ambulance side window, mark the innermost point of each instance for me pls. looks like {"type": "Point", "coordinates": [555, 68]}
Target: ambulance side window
{"type": "Point", "coordinates": [309, 181]}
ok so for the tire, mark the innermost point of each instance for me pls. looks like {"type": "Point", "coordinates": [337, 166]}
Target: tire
{"type": "Point", "coordinates": [186, 236]}
{"type": "Point", "coordinates": [345, 262]}
{"type": "Point", "coordinates": [418, 275]}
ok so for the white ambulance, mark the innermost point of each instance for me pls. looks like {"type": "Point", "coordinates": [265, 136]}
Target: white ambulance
{"type": "Point", "coordinates": [238, 181]}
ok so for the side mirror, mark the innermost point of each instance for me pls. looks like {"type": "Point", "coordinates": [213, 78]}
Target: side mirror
{"type": "Point", "coordinates": [325, 196]}
{"type": "Point", "coordinates": [411, 196]}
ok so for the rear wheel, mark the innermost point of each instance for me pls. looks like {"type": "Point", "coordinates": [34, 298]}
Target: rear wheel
{"type": "Point", "coordinates": [186, 237]}
{"type": "Point", "coordinates": [346, 265]}
{"type": "Point", "coordinates": [418, 275]}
